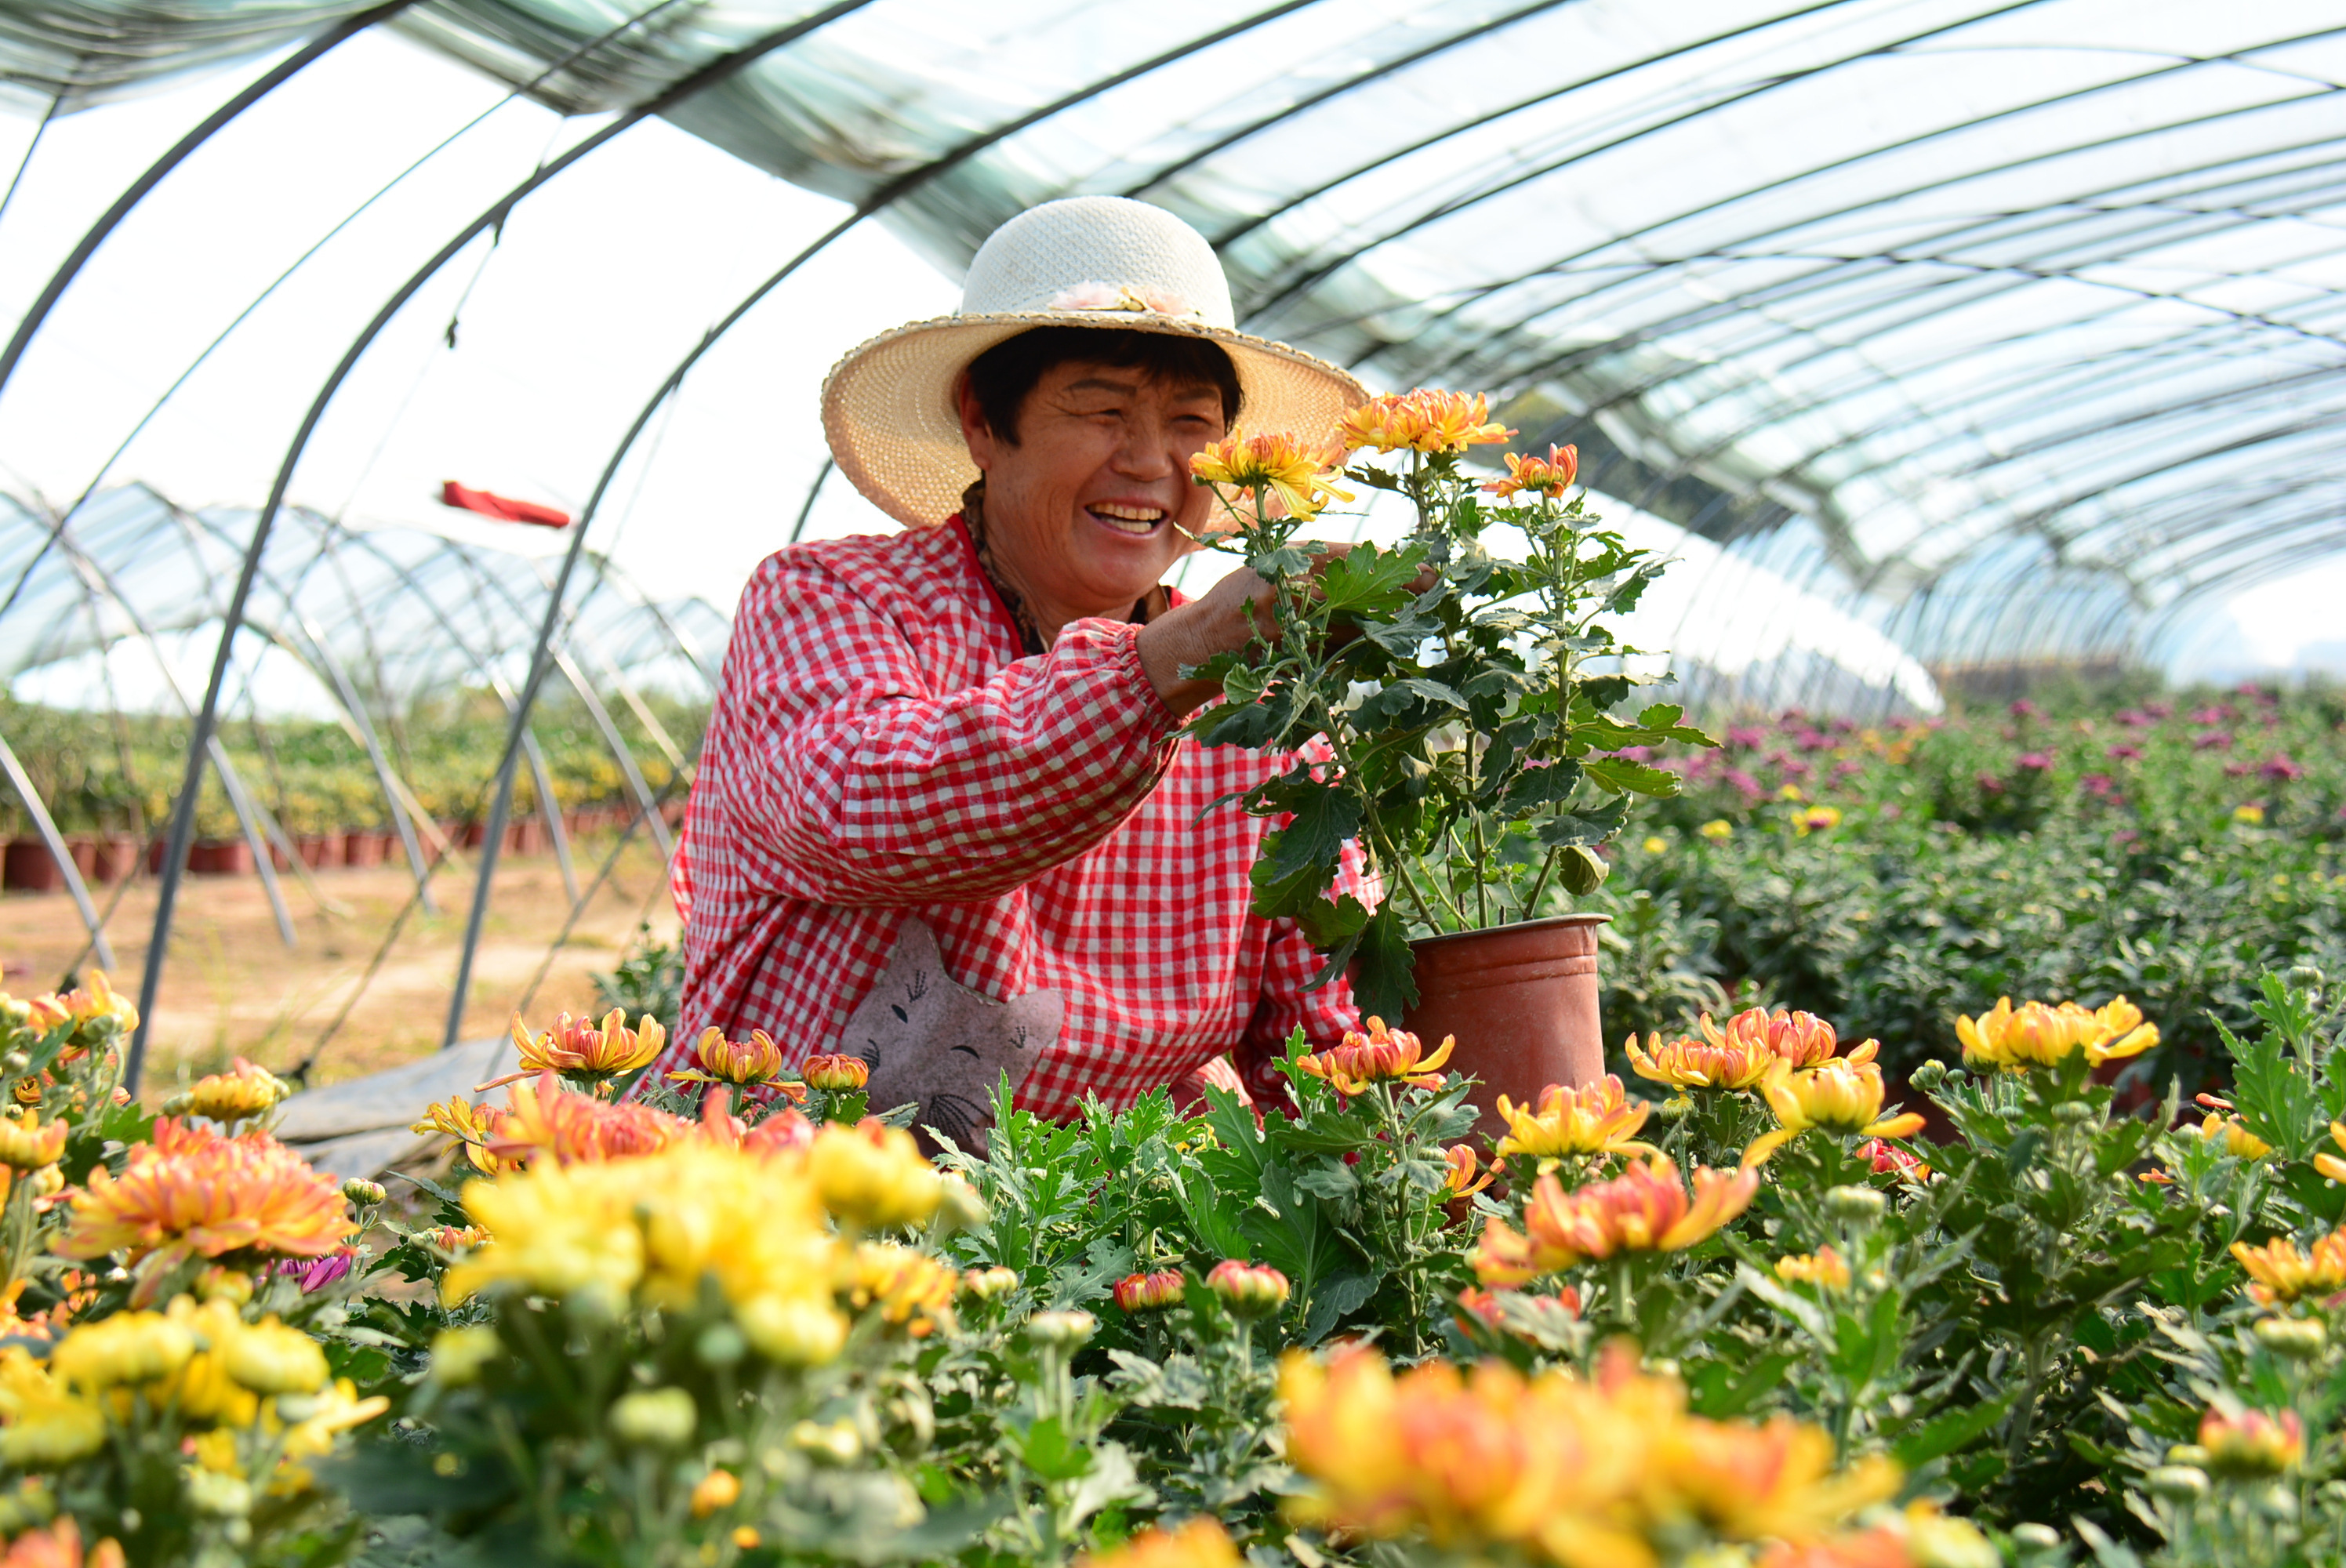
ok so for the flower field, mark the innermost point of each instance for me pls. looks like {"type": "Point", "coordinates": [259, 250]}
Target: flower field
{"type": "Point", "coordinates": [1743, 1315]}
{"type": "Point", "coordinates": [1891, 876]}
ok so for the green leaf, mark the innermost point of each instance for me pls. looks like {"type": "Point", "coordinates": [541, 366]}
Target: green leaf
{"type": "Point", "coordinates": [1619, 774]}
{"type": "Point", "coordinates": [1050, 1453]}
{"type": "Point", "coordinates": [1383, 983]}
{"type": "Point", "coordinates": [1957, 1427]}
{"type": "Point", "coordinates": [1331, 1179]}
{"type": "Point", "coordinates": [1331, 1302]}
{"type": "Point", "coordinates": [1585, 828]}
{"type": "Point", "coordinates": [1368, 578]}
{"type": "Point", "coordinates": [1536, 787]}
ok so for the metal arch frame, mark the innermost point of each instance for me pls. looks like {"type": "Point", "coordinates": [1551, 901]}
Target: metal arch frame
{"type": "Point", "coordinates": [879, 199]}
{"type": "Point", "coordinates": [285, 70]}
{"type": "Point", "coordinates": [183, 809]}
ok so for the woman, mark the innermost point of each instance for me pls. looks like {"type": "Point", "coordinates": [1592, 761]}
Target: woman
{"type": "Point", "coordinates": [943, 820]}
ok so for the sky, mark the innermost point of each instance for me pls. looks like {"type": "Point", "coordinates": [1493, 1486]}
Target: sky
{"type": "Point", "coordinates": [520, 364]}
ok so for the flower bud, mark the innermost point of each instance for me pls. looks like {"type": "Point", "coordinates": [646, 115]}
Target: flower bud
{"type": "Point", "coordinates": [459, 1354]}
{"type": "Point", "coordinates": [2037, 1537]}
{"type": "Point", "coordinates": [2177, 1482]}
{"type": "Point", "coordinates": [1855, 1205]}
{"type": "Point", "coordinates": [365, 1194]}
{"type": "Point", "coordinates": [15, 1063]}
{"type": "Point", "coordinates": [655, 1417]}
{"type": "Point", "coordinates": [1061, 1329]}
{"type": "Point", "coordinates": [840, 1074]}
{"type": "Point", "coordinates": [1149, 1292]}
{"type": "Point", "coordinates": [720, 1345]}
{"type": "Point", "coordinates": [1934, 1540]}
{"type": "Point", "coordinates": [792, 1331]}
{"type": "Point", "coordinates": [986, 1284]}
{"type": "Point", "coordinates": [222, 1496]}
{"type": "Point", "coordinates": [2295, 1339]}
{"type": "Point", "coordinates": [717, 1490]}
{"type": "Point", "coordinates": [2301, 977]}
{"type": "Point", "coordinates": [271, 1358]}
{"type": "Point", "coordinates": [2251, 1444]}
{"type": "Point", "coordinates": [1249, 1290]}
{"type": "Point", "coordinates": [2074, 1113]}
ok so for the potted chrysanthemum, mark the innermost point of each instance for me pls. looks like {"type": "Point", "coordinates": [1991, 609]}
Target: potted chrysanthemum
{"type": "Point", "coordinates": [1446, 719]}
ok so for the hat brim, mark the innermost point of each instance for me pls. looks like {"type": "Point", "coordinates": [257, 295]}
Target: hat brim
{"type": "Point", "coordinates": [889, 415]}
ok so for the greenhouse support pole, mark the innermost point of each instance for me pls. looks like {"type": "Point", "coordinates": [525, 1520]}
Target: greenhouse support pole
{"type": "Point", "coordinates": [63, 856]}
{"type": "Point", "coordinates": [293, 65]}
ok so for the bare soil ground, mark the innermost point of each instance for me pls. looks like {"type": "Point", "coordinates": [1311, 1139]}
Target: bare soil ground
{"type": "Point", "coordinates": [232, 988]}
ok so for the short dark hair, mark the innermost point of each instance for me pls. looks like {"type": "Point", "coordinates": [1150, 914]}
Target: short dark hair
{"type": "Point", "coordinates": [1002, 375]}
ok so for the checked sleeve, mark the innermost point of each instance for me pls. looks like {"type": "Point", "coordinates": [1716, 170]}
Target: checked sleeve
{"type": "Point", "coordinates": [853, 773]}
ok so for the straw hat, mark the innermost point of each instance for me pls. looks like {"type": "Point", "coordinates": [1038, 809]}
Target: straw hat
{"type": "Point", "coordinates": [1086, 261]}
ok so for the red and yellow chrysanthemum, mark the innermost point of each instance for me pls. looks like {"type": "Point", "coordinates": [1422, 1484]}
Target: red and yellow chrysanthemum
{"type": "Point", "coordinates": [1597, 1118]}
{"type": "Point", "coordinates": [193, 1192]}
{"type": "Point", "coordinates": [1383, 1055]}
{"type": "Point", "coordinates": [1646, 1208]}
{"type": "Point", "coordinates": [2279, 1272]}
{"type": "Point", "coordinates": [1742, 1054]}
{"type": "Point", "coordinates": [1551, 476]}
{"type": "Point", "coordinates": [581, 1048]}
{"type": "Point", "coordinates": [756, 1059]}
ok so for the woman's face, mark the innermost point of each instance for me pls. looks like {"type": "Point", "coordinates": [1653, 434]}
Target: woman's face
{"type": "Point", "coordinates": [1082, 509]}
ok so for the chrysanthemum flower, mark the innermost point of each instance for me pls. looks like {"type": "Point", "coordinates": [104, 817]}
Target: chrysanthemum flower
{"type": "Point", "coordinates": [192, 1191]}
{"type": "Point", "coordinates": [2328, 1163]}
{"type": "Point", "coordinates": [245, 1091]}
{"type": "Point", "coordinates": [47, 1425]}
{"type": "Point", "coordinates": [29, 1143]}
{"type": "Point", "coordinates": [1823, 1267]}
{"type": "Point", "coordinates": [1422, 420]}
{"type": "Point", "coordinates": [872, 1175]}
{"type": "Point", "coordinates": [580, 1048]}
{"type": "Point", "coordinates": [1201, 1542]}
{"type": "Point", "coordinates": [740, 1062]}
{"type": "Point", "coordinates": [1840, 1095]}
{"type": "Point", "coordinates": [1889, 1158]}
{"type": "Point", "coordinates": [544, 1119]}
{"type": "Point", "coordinates": [1298, 476]}
{"type": "Point", "coordinates": [1148, 1292]}
{"type": "Point", "coordinates": [986, 1284]}
{"type": "Point", "coordinates": [1646, 1208]}
{"type": "Point", "coordinates": [2237, 1141]}
{"type": "Point", "coordinates": [59, 1547]}
{"type": "Point", "coordinates": [1248, 1290]}
{"type": "Point", "coordinates": [1383, 1055]}
{"type": "Point", "coordinates": [1551, 476]}
{"type": "Point", "coordinates": [2035, 1034]}
{"type": "Point", "coordinates": [912, 1289]}
{"type": "Point", "coordinates": [96, 1004]}
{"type": "Point", "coordinates": [1465, 1176]}
{"type": "Point", "coordinates": [2253, 1443]}
{"type": "Point", "coordinates": [835, 1072]}
{"type": "Point", "coordinates": [2279, 1272]}
{"type": "Point", "coordinates": [1597, 1118]}
{"type": "Point", "coordinates": [1743, 1052]}
{"type": "Point", "coordinates": [476, 1125]}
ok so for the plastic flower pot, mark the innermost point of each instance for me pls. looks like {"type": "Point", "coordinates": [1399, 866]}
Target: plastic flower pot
{"type": "Point", "coordinates": [30, 868]}
{"type": "Point", "coordinates": [84, 849]}
{"type": "Point", "coordinates": [362, 847]}
{"type": "Point", "coordinates": [1521, 1001]}
{"type": "Point", "coordinates": [220, 858]}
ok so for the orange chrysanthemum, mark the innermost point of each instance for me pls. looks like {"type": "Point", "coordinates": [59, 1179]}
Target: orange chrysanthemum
{"type": "Point", "coordinates": [1422, 420]}
{"type": "Point", "coordinates": [545, 1119]}
{"type": "Point", "coordinates": [1842, 1095]}
{"type": "Point", "coordinates": [193, 1192]}
{"type": "Point", "coordinates": [1383, 1055]}
{"type": "Point", "coordinates": [1646, 1208]}
{"type": "Point", "coordinates": [741, 1061]}
{"type": "Point", "coordinates": [2036, 1034]}
{"type": "Point", "coordinates": [1551, 476]}
{"type": "Point", "coordinates": [2279, 1272]}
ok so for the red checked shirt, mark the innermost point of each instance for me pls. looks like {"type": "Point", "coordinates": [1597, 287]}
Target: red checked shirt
{"type": "Point", "coordinates": [880, 749]}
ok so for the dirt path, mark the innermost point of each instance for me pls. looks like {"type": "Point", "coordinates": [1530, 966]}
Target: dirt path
{"type": "Point", "coordinates": [231, 987]}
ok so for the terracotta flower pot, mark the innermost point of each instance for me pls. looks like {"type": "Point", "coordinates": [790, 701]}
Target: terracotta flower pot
{"type": "Point", "coordinates": [220, 858]}
{"type": "Point", "coordinates": [319, 849]}
{"type": "Point", "coordinates": [30, 868]}
{"type": "Point", "coordinates": [84, 849]}
{"type": "Point", "coordinates": [115, 857]}
{"type": "Point", "coordinates": [362, 847]}
{"type": "Point", "coordinates": [1521, 1001]}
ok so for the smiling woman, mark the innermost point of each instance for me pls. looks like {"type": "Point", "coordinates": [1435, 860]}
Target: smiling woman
{"type": "Point", "coordinates": [944, 821]}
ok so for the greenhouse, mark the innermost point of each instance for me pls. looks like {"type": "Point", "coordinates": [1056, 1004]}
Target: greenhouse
{"type": "Point", "coordinates": [1695, 922]}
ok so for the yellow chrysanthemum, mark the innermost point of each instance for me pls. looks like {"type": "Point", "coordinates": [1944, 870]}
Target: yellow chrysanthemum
{"type": "Point", "coordinates": [1597, 1118]}
{"type": "Point", "coordinates": [1299, 477]}
{"type": "Point", "coordinates": [580, 1048]}
{"type": "Point", "coordinates": [1422, 420]}
{"type": "Point", "coordinates": [2279, 1273]}
{"type": "Point", "coordinates": [1823, 1267]}
{"type": "Point", "coordinates": [2036, 1034]}
{"type": "Point", "coordinates": [1839, 1096]}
